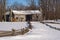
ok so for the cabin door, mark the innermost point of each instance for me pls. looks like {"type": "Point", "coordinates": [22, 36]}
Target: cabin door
{"type": "Point", "coordinates": [28, 17]}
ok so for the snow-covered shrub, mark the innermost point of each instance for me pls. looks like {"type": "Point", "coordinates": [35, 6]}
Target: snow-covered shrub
{"type": "Point", "coordinates": [26, 30]}
{"type": "Point", "coordinates": [13, 32]}
{"type": "Point", "coordinates": [22, 31]}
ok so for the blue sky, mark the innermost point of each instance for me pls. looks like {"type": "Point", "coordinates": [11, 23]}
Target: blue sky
{"type": "Point", "coordinates": [10, 2]}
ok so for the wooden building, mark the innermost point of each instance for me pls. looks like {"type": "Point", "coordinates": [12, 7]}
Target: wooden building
{"type": "Point", "coordinates": [27, 15]}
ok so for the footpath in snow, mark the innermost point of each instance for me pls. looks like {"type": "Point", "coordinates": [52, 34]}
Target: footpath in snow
{"type": "Point", "coordinates": [39, 32]}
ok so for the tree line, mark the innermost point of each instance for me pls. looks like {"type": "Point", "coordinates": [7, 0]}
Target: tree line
{"type": "Point", "coordinates": [31, 5]}
{"type": "Point", "coordinates": [51, 9]}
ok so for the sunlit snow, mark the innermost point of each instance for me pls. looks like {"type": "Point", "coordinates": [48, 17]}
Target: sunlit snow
{"type": "Point", "coordinates": [39, 32]}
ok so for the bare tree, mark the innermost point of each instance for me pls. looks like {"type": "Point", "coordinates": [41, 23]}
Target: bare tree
{"type": "Point", "coordinates": [32, 4]}
{"type": "Point", "coordinates": [50, 9]}
{"type": "Point", "coordinates": [2, 9]}
{"type": "Point", "coordinates": [17, 6]}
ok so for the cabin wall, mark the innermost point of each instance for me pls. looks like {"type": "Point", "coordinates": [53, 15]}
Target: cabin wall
{"type": "Point", "coordinates": [36, 17]}
{"type": "Point", "coordinates": [20, 17]}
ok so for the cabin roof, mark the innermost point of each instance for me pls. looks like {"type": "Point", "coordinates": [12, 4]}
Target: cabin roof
{"type": "Point", "coordinates": [27, 12]}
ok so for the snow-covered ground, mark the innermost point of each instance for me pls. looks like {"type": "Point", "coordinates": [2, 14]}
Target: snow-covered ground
{"type": "Point", "coordinates": [48, 21]}
{"type": "Point", "coordinates": [39, 32]}
{"type": "Point", "coordinates": [54, 24]}
{"type": "Point", "coordinates": [58, 21]}
{"type": "Point", "coordinates": [8, 26]}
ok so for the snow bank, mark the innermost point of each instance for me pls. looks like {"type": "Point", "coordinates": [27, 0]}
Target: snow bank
{"type": "Point", "coordinates": [58, 21]}
{"type": "Point", "coordinates": [7, 26]}
{"type": "Point", "coordinates": [48, 21]}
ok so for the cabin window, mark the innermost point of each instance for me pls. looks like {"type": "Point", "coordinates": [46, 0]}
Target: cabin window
{"type": "Point", "coordinates": [16, 17]}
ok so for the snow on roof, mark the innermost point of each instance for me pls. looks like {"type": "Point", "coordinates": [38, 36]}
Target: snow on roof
{"type": "Point", "coordinates": [26, 12]}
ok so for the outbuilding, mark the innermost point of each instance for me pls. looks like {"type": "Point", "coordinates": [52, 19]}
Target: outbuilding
{"type": "Point", "coordinates": [27, 15]}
